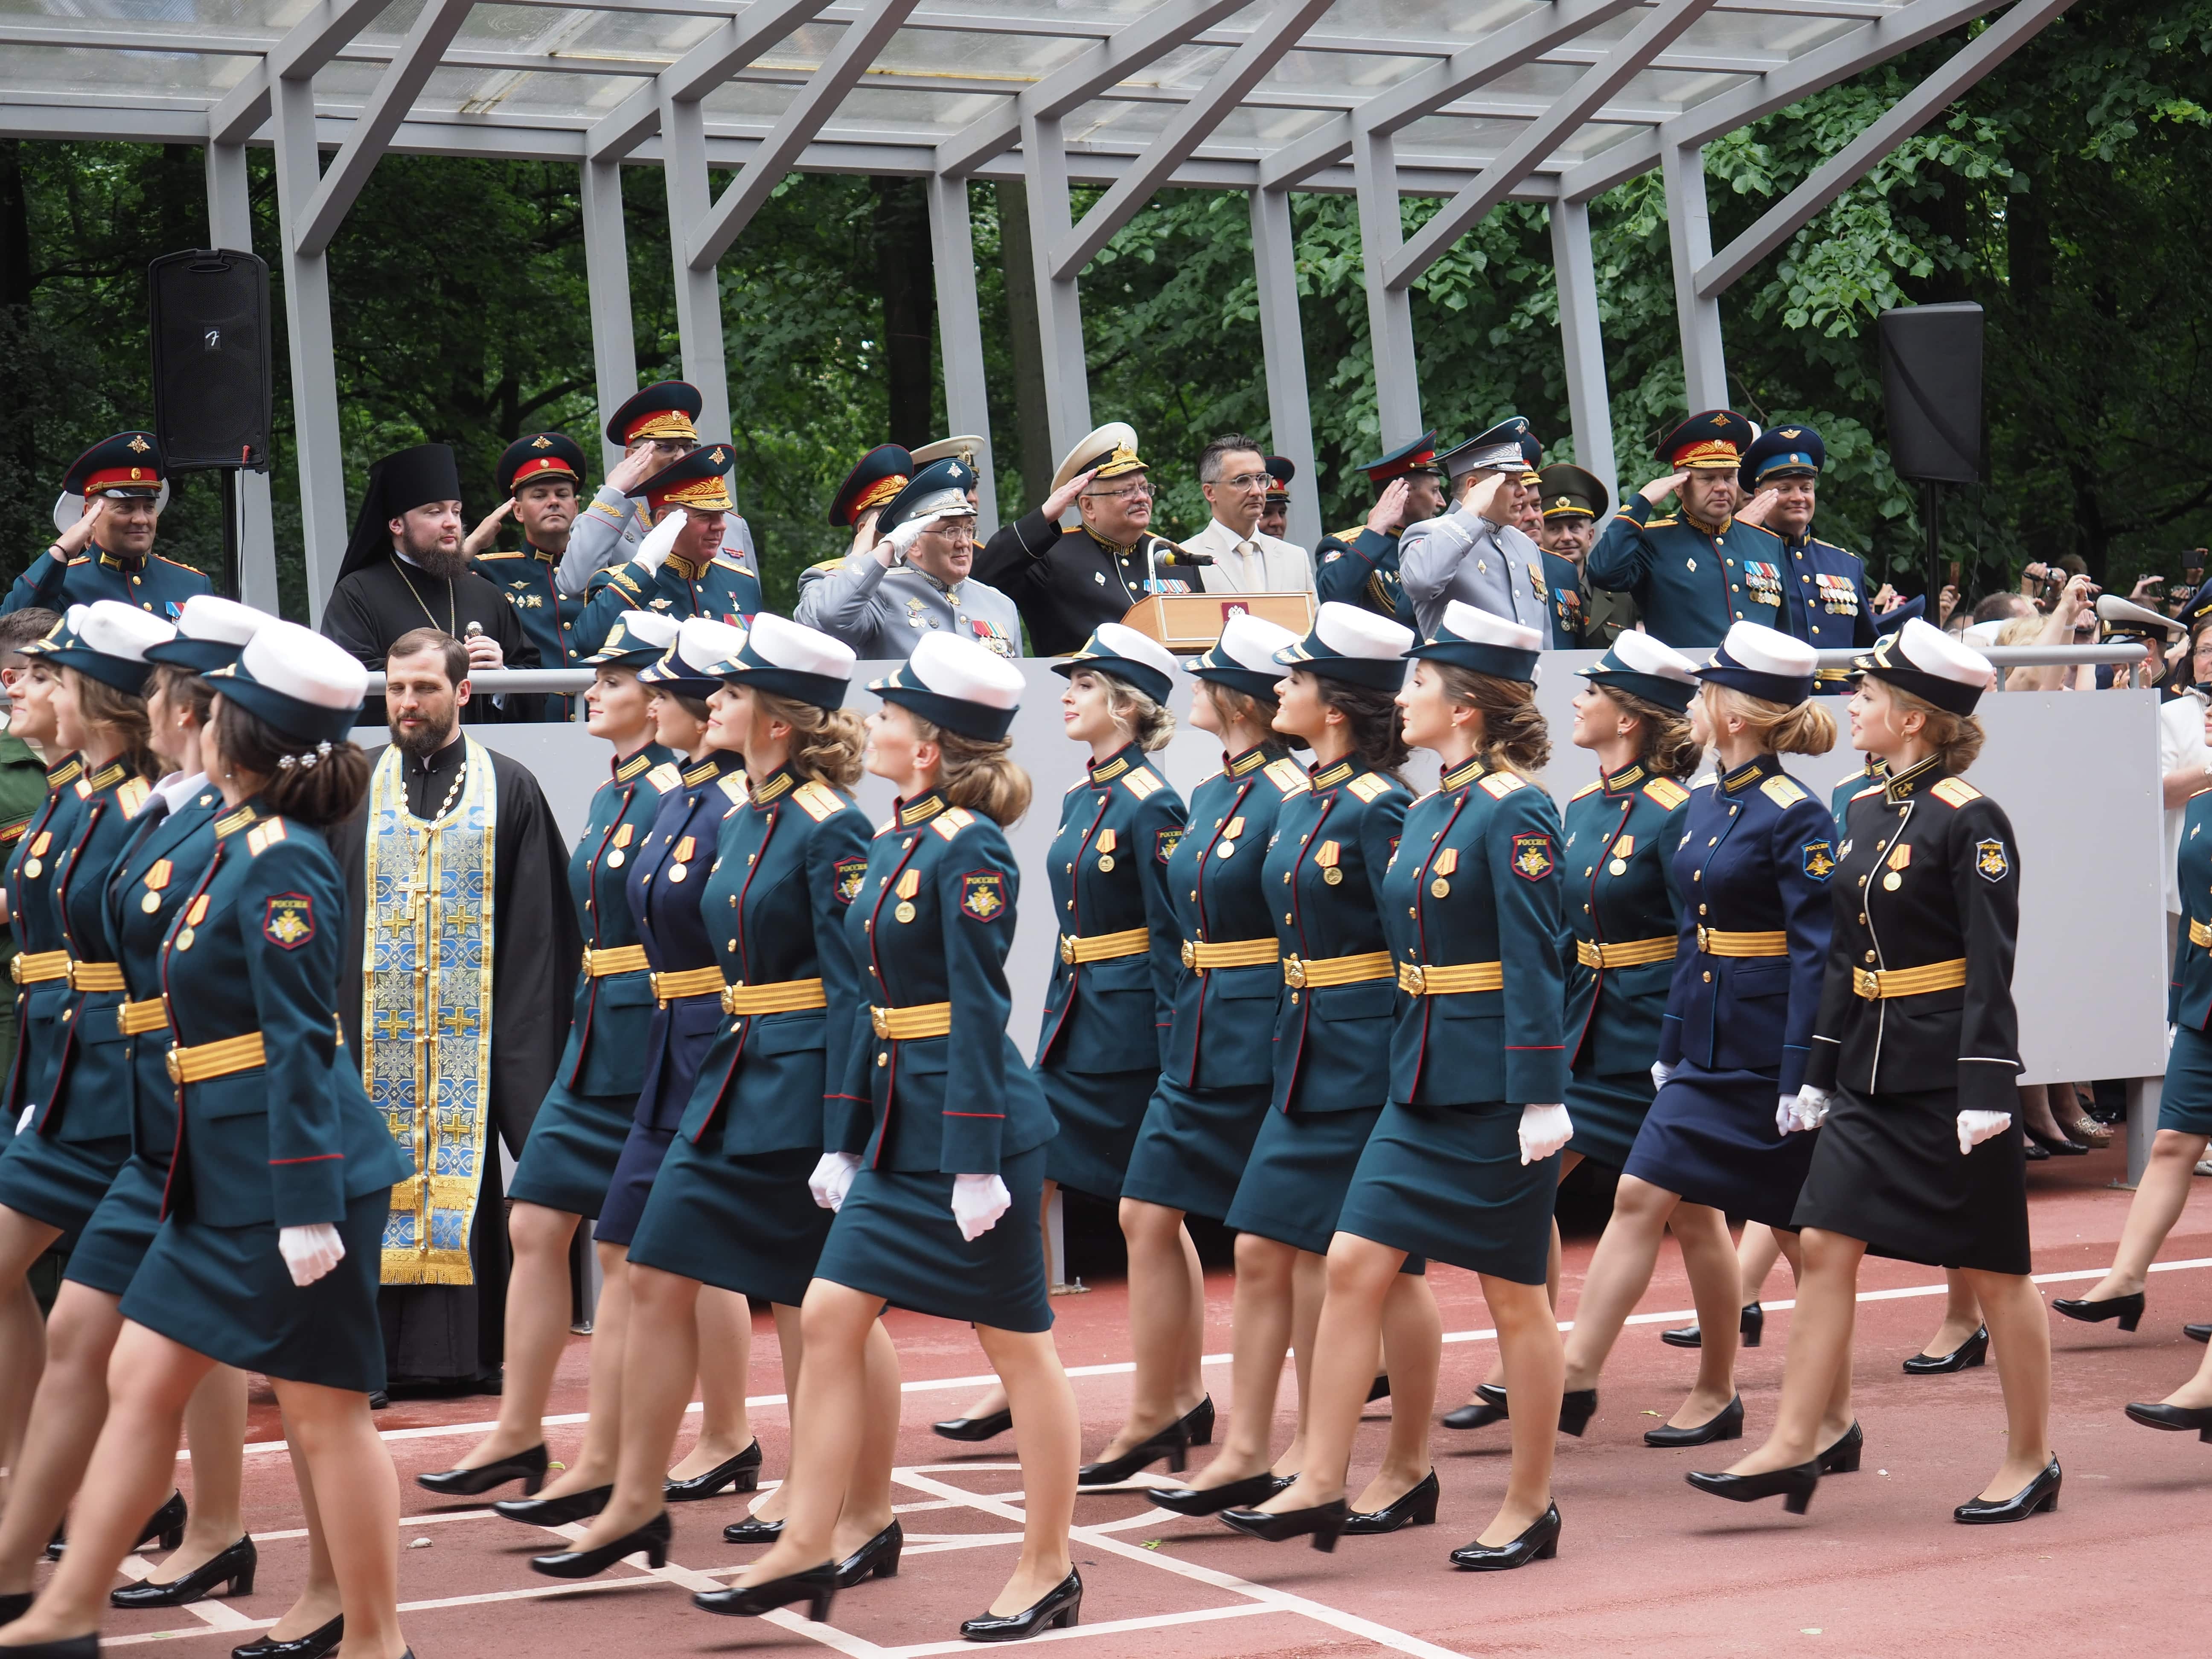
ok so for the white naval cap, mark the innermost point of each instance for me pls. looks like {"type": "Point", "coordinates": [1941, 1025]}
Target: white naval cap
{"type": "Point", "coordinates": [1119, 649]}
{"type": "Point", "coordinates": [1933, 666]}
{"type": "Point", "coordinates": [1484, 642]}
{"type": "Point", "coordinates": [1642, 667]}
{"type": "Point", "coordinates": [1480, 627]}
{"type": "Point", "coordinates": [701, 642]}
{"type": "Point", "coordinates": [787, 658]}
{"type": "Point", "coordinates": [210, 632]}
{"type": "Point", "coordinates": [306, 686]}
{"type": "Point", "coordinates": [1763, 662]}
{"type": "Point", "coordinates": [1244, 657]}
{"type": "Point", "coordinates": [955, 682]}
{"type": "Point", "coordinates": [1349, 643]}
{"type": "Point", "coordinates": [107, 640]}
{"type": "Point", "coordinates": [2126, 617]}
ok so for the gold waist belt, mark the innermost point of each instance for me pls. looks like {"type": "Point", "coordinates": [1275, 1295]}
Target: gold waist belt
{"type": "Point", "coordinates": [1199, 954]}
{"type": "Point", "coordinates": [206, 1059]}
{"type": "Point", "coordinates": [1337, 970]}
{"type": "Point", "coordinates": [1714, 942]}
{"type": "Point", "coordinates": [1881, 984]}
{"type": "Point", "coordinates": [36, 967]}
{"type": "Point", "coordinates": [924, 1020]}
{"type": "Point", "coordinates": [784, 997]}
{"type": "Point", "coordinates": [615, 959]}
{"type": "Point", "coordinates": [2199, 934]}
{"type": "Point", "coordinates": [1418, 979]}
{"type": "Point", "coordinates": [1631, 953]}
{"type": "Point", "coordinates": [686, 982]}
{"type": "Point", "coordinates": [1099, 947]}
{"type": "Point", "coordinates": [137, 1018]}
{"type": "Point", "coordinates": [95, 975]}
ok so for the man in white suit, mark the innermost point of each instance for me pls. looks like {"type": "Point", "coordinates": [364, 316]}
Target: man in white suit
{"type": "Point", "coordinates": [1233, 472]}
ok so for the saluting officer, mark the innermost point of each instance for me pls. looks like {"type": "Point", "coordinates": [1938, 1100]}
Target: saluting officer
{"type": "Point", "coordinates": [683, 568]}
{"type": "Point", "coordinates": [1359, 566]}
{"type": "Point", "coordinates": [1695, 575]}
{"type": "Point", "coordinates": [1572, 500]}
{"type": "Point", "coordinates": [654, 428]}
{"type": "Point", "coordinates": [539, 475]}
{"type": "Point", "coordinates": [909, 571]}
{"type": "Point", "coordinates": [1474, 553]}
{"type": "Point", "coordinates": [111, 502]}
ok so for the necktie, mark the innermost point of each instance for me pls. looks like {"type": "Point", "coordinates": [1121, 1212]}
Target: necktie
{"type": "Point", "coordinates": [1248, 552]}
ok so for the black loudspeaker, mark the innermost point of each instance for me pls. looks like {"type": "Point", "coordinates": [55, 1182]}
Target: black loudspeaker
{"type": "Point", "coordinates": [212, 376]}
{"type": "Point", "coordinates": [1931, 387]}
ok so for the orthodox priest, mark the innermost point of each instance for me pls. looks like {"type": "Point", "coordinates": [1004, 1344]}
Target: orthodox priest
{"type": "Point", "coordinates": [460, 952]}
{"type": "Point", "coordinates": [406, 568]}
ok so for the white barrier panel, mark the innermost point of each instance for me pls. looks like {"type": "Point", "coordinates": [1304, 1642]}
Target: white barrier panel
{"type": "Point", "coordinates": [2078, 774]}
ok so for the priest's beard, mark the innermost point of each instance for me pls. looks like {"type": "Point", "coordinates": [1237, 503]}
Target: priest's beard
{"type": "Point", "coordinates": [446, 563]}
{"type": "Point", "coordinates": [422, 741]}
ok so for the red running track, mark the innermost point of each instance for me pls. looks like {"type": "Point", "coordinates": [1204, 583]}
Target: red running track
{"type": "Point", "coordinates": [1645, 1567]}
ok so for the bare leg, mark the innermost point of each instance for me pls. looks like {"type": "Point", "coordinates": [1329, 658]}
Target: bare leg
{"type": "Point", "coordinates": [338, 1436]}
{"type": "Point", "coordinates": [1050, 1441]}
{"type": "Point", "coordinates": [1714, 1289]}
{"type": "Point", "coordinates": [22, 1328]}
{"type": "Point", "coordinates": [994, 1399]}
{"type": "Point", "coordinates": [65, 1420]}
{"type": "Point", "coordinates": [596, 1459]}
{"type": "Point", "coordinates": [1308, 1287]}
{"type": "Point", "coordinates": [1820, 1349]}
{"type": "Point", "coordinates": [1261, 1338]}
{"type": "Point", "coordinates": [215, 1429]}
{"type": "Point", "coordinates": [2196, 1392]}
{"type": "Point", "coordinates": [318, 1602]}
{"type": "Point", "coordinates": [1962, 1314]}
{"type": "Point", "coordinates": [2020, 1332]}
{"type": "Point", "coordinates": [1167, 1321]}
{"type": "Point", "coordinates": [1412, 1350]}
{"type": "Point", "coordinates": [1621, 1272]}
{"type": "Point", "coordinates": [867, 1508]}
{"type": "Point", "coordinates": [1496, 1376]}
{"type": "Point", "coordinates": [2161, 1196]}
{"type": "Point", "coordinates": [659, 1356]}
{"type": "Point", "coordinates": [1755, 1256]}
{"type": "Point", "coordinates": [770, 1505]}
{"type": "Point", "coordinates": [537, 1302]}
{"type": "Point", "coordinates": [725, 1361]}
{"type": "Point", "coordinates": [1536, 1369]}
{"type": "Point", "coordinates": [1361, 1275]}
{"type": "Point", "coordinates": [826, 1434]}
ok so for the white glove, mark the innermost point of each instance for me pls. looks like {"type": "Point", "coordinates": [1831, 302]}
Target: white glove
{"type": "Point", "coordinates": [978, 1201]}
{"type": "Point", "coordinates": [311, 1252]}
{"type": "Point", "coordinates": [1544, 1130]}
{"type": "Point", "coordinates": [23, 1123]}
{"type": "Point", "coordinates": [1661, 1070]}
{"type": "Point", "coordinates": [832, 1179]}
{"type": "Point", "coordinates": [2170, 1031]}
{"type": "Point", "coordinates": [905, 536]}
{"type": "Point", "coordinates": [1975, 1127]}
{"type": "Point", "coordinates": [652, 552]}
{"type": "Point", "coordinates": [1806, 1110]}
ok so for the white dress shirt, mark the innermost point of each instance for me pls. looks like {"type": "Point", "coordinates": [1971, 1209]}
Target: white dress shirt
{"type": "Point", "coordinates": [1251, 564]}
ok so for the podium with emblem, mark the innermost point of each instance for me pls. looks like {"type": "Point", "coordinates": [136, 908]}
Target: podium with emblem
{"type": "Point", "coordinates": [1191, 623]}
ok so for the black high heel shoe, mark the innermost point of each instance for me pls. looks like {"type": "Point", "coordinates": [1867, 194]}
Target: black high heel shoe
{"type": "Point", "coordinates": [2033, 1498]}
{"type": "Point", "coordinates": [739, 1473]}
{"type": "Point", "coordinates": [555, 1511]}
{"type": "Point", "coordinates": [13, 1607]}
{"type": "Point", "coordinates": [1060, 1607]}
{"type": "Point", "coordinates": [817, 1587]}
{"type": "Point", "coordinates": [1964, 1358]}
{"type": "Point", "coordinates": [1577, 1408]}
{"type": "Point", "coordinates": [2128, 1309]}
{"type": "Point", "coordinates": [1487, 1407]}
{"type": "Point", "coordinates": [752, 1530]}
{"type": "Point", "coordinates": [233, 1566]}
{"type": "Point", "coordinates": [1540, 1542]}
{"type": "Point", "coordinates": [877, 1559]}
{"type": "Point", "coordinates": [166, 1527]}
{"type": "Point", "coordinates": [652, 1539]}
{"type": "Point", "coordinates": [1173, 1443]}
{"type": "Point", "coordinates": [527, 1467]}
{"type": "Point", "coordinates": [318, 1644]}
{"type": "Point", "coordinates": [65, 1647]}
{"type": "Point", "coordinates": [1752, 1326]}
{"type": "Point", "coordinates": [1379, 1389]}
{"type": "Point", "coordinates": [2181, 1419]}
{"type": "Point", "coordinates": [1211, 1500]}
{"type": "Point", "coordinates": [1726, 1424]}
{"type": "Point", "coordinates": [1321, 1521]}
{"type": "Point", "coordinates": [1842, 1455]}
{"type": "Point", "coordinates": [2197, 1333]}
{"type": "Point", "coordinates": [1416, 1507]}
{"type": "Point", "coordinates": [2064, 1146]}
{"type": "Point", "coordinates": [974, 1428]}
{"type": "Point", "coordinates": [1795, 1485]}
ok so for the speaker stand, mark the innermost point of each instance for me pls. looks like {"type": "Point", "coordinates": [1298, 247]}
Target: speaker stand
{"type": "Point", "coordinates": [1931, 513]}
{"type": "Point", "coordinates": [231, 478]}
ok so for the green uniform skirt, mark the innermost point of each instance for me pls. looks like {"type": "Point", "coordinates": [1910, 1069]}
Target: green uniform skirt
{"type": "Point", "coordinates": [121, 1231]}
{"type": "Point", "coordinates": [575, 1140]}
{"type": "Point", "coordinates": [60, 1182]}
{"type": "Point", "coordinates": [1448, 1181]}
{"type": "Point", "coordinates": [1193, 1146]}
{"type": "Point", "coordinates": [1606, 1110]}
{"type": "Point", "coordinates": [896, 1238]}
{"type": "Point", "coordinates": [1098, 1113]}
{"type": "Point", "coordinates": [745, 1223]}
{"type": "Point", "coordinates": [1296, 1179]}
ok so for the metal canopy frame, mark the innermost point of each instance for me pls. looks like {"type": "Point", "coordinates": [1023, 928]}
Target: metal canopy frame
{"type": "Point", "coordinates": [1477, 102]}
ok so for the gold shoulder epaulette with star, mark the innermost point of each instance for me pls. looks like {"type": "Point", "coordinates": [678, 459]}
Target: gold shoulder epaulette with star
{"type": "Point", "coordinates": [82, 558]}
{"type": "Point", "coordinates": [1368, 785]}
{"type": "Point", "coordinates": [132, 795]}
{"type": "Point", "coordinates": [1954, 792]}
{"type": "Point", "coordinates": [1499, 785]}
{"type": "Point", "coordinates": [1288, 776]}
{"type": "Point", "coordinates": [1141, 783]}
{"type": "Point", "coordinates": [1871, 789]}
{"type": "Point", "coordinates": [489, 556]}
{"type": "Point", "coordinates": [950, 824]}
{"type": "Point", "coordinates": [178, 564]}
{"type": "Point", "coordinates": [264, 835]}
{"type": "Point", "coordinates": [816, 799]}
{"type": "Point", "coordinates": [821, 569]}
{"type": "Point", "coordinates": [1590, 788]}
{"type": "Point", "coordinates": [14, 833]}
{"type": "Point", "coordinates": [1760, 528]}
{"type": "Point", "coordinates": [1659, 524]}
{"type": "Point", "coordinates": [1781, 792]}
{"type": "Point", "coordinates": [727, 562]}
{"type": "Point", "coordinates": [665, 776]}
{"type": "Point", "coordinates": [1667, 792]}
{"type": "Point", "coordinates": [732, 784]}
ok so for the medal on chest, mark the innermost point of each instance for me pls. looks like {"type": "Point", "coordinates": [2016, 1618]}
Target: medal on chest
{"type": "Point", "coordinates": [193, 917]}
{"type": "Point", "coordinates": [1105, 843]}
{"type": "Point", "coordinates": [1325, 858]}
{"type": "Point", "coordinates": [1444, 864]}
{"type": "Point", "coordinates": [682, 857]}
{"type": "Point", "coordinates": [1225, 843]}
{"type": "Point", "coordinates": [1623, 847]}
{"type": "Point", "coordinates": [1899, 857]}
{"type": "Point", "coordinates": [618, 858]}
{"type": "Point", "coordinates": [909, 884]}
{"type": "Point", "coordinates": [32, 866]}
{"type": "Point", "coordinates": [156, 880]}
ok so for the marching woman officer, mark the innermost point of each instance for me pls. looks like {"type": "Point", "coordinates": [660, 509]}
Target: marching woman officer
{"type": "Point", "coordinates": [1455, 1167]}
{"type": "Point", "coordinates": [267, 1255]}
{"type": "Point", "coordinates": [1915, 1069]}
{"type": "Point", "coordinates": [937, 1185]}
{"type": "Point", "coordinates": [1753, 867]}
{"type": "Point", "coordinates": [578, 1135]}
{"type": "Point", "coordinates": [729, 1206]}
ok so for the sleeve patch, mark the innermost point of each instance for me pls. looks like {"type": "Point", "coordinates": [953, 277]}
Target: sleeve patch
{"type": "Point", "coordinates": [1367, 785]}
{"type": "Point", "coordinates": [1819, 859]}
{"type": "Point", "coordinates": [1499, 785]}
{"type": "Point", "coordinates": [1782, 792]}
{"type": "Point", "coordinates": [851, 872]}
{"type": "Point", "coordinates": [1163, 844]}
{"type": "Point", "coordinates": [288, 920]}
{"type": "Point", "coordinates": [1532, 856]}
{"type": "Point", "coordinates": [1288, 776]}
{"type": "Point", "coordinates": [1141, 783]}
{"type": "Point", "coordinates": [1989, 860]}
{"type": "Point", "coordinates": [1667, 792]}
{"type": "Point", "coordinates": [983, 895]}
{"type": "Point", "coordinates": [1954, 792]}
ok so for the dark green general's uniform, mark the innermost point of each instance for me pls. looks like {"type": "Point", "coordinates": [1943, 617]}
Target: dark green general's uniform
{"type": "Point", "coordinates": [22, 795]}
{"type": "Point", "coordinates": [722, 590]}
{"type": "Point", "coordinates": [1471, 905]}
{"type": "Point", "coordinates": [1623, 916]}
{"type": "Point", "coordinates": [1563, 585]}
{"type": "Point", "coordinates": [1691, 584]}
{"type": "Point", "coordinates": [1871, 775]}
{"type": "Point", "coordinates": [1218, 1078]}
{"type": "Point", "coordinates": [153, 583]}
{"type": "Point", "coordinates": [41, 967]}
{"type": "Point", "coordinates": [1360, 567]}
{"type": "Point", "coordinates": [933, 1087]}
{"type": "Point", "coordinates": [1323, 879]}
{"type": "Point", "coordinates": [1115, 973]}
{"type": "Point", "coordinates": [273, 1128]}
{"type": "Point", "coordinates": [577, 1136]}
{"type": "Point", "coordinates": [730, 1205]}
{"type": "Point", "coordinates": [548, 617]}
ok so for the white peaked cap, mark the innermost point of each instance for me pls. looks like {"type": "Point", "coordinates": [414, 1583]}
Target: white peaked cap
{"type": "Point", "coordinates": [782, 643]}
{"type": "Point", "coordinates": [298, 663]}
{"type": "Point", "coordinates": [1932, 651]}
{"type": "Point", "coordinates": [1251, 642]}
{"type": "Point", "coordinates": [701, 642]}
{"type": "Point", "coordinates": [955, 667]}
{"type": "Point", "coordinates": [1121, 639]}
{"type": "Point", "coordinates": [1642, 654]}
{"type": "Point", "coordinates": [1351, 631]}
{"type": "Point", "coordinates": [1480, 627]}
{"type": "Point", "coordinates": [116, 629]}
{"type": "Point", "coordinates": [652, 628]}
{"type": "Point", "coordinates": [222, 621]}
{"type": "Point", "coordinates": [1768, 651]}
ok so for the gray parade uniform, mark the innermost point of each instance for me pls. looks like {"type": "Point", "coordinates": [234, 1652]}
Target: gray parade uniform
{"type": "Point", "coordinates": [881, 614]}
{"type": "Point", "coordinates": [609, 529]}
{"type": "Point", "coordinates": [1462, 555]}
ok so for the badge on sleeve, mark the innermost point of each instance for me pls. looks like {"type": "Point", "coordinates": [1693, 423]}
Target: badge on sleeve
{"type": "Point", "coordinates": [1532, 857]}
{"type": "Point", "coordinates": [1990, 858]}
{"type": "Point", "coordinates": [289, 920]}
{"type": "Point", "coordinates": [1819, 859]}
{"type": "Point", "coordinates": [1163, 844]}
{"type": "Point", "coordinates": [850, 873]}
{"type": "Point", "coordinates": [983, 895]}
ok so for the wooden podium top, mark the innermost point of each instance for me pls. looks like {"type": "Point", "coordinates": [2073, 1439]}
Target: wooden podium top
{"type": "Point", "coordinates": [1191, 623]}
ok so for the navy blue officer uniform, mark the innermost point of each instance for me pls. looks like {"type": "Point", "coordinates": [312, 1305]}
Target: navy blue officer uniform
{"type": "Point", "coordinates": [724, 588]}
{"type": "Point", "coordinates": [273, 1127]}
{"type": "Point", "coordinates": [59, 1169]}
{"type": "Point", "coordinates": [933, 1087]}
{"type": "Point", "coordinates": [577, 1137]}
{"type": "Point", "coordinates": [1322, 874]}
{"type": "Point", "coordinates": [1623, 913]}
{"type": "Point", "coordinates": [1359, 566]}
{"type": "Point", "coordinates": [1218, 1078]}
{"type": "Point", "coordinates": [663, 879]}
{"type": "Point", "coordinates": [1691, 581]}
{"type": "Point", "coordinates": [41, 967]}
{"type": "Point", "coordinates": [2186, 1103]}
{"type": "Point", "coordinates": [528, 576]}
{"type": "Point", "coordinates": [732, 1207]}
{"type": "Point", "coordinates": [1119, 956]}
{"type": "Point", "coordinates": [1754, 866]}
{"type": "Point", "coordinates": [126, 465]}
{"type": "Point", "coordinates": [1917, 1021]}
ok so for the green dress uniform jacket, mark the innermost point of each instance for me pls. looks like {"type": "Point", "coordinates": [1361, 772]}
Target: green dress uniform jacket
{"type": "Point", "coordinates": [90, 1095]}
{"type": "Point", "coordinates": [1691, 587]}
{"type": "Point", "coordinates": [547, 617]}
{"type": "Point", "coordinates": [32, 865]}
{"type": "Point", "coordinates": [724, 589]}
{"type": "Point", "coordinates": [1571, 617]}
{"type": "Point", "coordinates": [1622, 834]}
{"type": "Point", "coordinates": [22, 794]}
{"type": "Point", "coordinates": [1360, 567]}
{"type": "Point", "coordinates": [605, 1052]}
{"type": "Point", "coordinates": [1869, 777]}
{"type": "Point", "coordinates": [2188, 998]}
{"type": "Point", "coordinates": [153, 583]}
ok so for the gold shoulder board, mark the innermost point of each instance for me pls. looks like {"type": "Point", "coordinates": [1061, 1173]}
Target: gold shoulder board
{"type": "Point", "coordinates": [1954, 792]}
{"type": "Point", "coordinates": [816, 799]}
{"type": "Point", "coordinates": [1781, 792]}
{"type": "Point", "coordinates": [132, 794]}
{"type": "Point", "coordinates": [1667, 792]}
{"type": "Point", "coordinates": [1288, 776]}
{"type": "Point", "coordinates": [1590, 788]}
{"type": "Point", "coordinates": [950, 824]}
{"type": "Point", "coordinates": [1657, 523]}
{"type": "Point", "coordinates": [734, 785]}
{"type": "Point", "coordinates": [264, 835]}
{"type": "Point", "coordinates": [665, 776]}
{"type": "Point", "coordinates": [1140, 783]}
{"type": "Point", "coordinates": [1499, 785]}
{"type": "Point", "coordinates": [1367, 785]}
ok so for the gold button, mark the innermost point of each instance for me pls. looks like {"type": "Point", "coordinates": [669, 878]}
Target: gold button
{"type": "Point", "coordinates": [883, 1060]}
{"type": "Point", "coordinates": [1709, 976]}
{"type": "Point", "coordinates": [1869, 956]}
{"type": "Point", "coordinates": [731, 945]}
{"type": "Point", "coordinates": [1286, 918]}
{"type": "Point", "coordinates": [1294, 998]}
{"type": "Point", "coordinates": [1701, 909]}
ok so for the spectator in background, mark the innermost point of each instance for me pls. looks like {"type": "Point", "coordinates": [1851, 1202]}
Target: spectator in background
{"type": "Point", "coordinates": [2072, 621]}
{"type": "Point", "coordinates": [1232, 473]}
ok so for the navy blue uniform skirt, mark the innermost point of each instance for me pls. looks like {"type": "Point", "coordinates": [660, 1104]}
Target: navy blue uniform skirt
{"type": "Point", "coordinates": [121, 1231]}
{"type": "Point", "coordinates": [1296, 1179]}
{"type": "Point", "coordinates": [2185, 1104]}
{"type": "Point", "coordinates": [60, 1182]}
{"type": "Point", "coordinates": [225, 1292]}
{"type": "Point", "coordinates": [896, 1238]}
{"type": "Point", "coordinates": [1710, 1136]}
{"type": "Point", "coordinates": [1888, 1170]}
{"type": "Point", "coordinates": [745, 1223]}
{"type": "Point", "coordinates": [1448, 1182]}
{"type": "Point", "coordinates": [1098, 1113]}
{"type": "Point", "coordinates": [641, 1155]}
{"type": "Point", "coordinates": [575, 1141]}
{"type": "Point", "coordinates": [1606, 1110]}
{"type": "Point", "coordinates": [1193, 1146]}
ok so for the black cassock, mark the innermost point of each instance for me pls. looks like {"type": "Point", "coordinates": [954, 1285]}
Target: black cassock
{"type": "Point", "coordinates": [378, 603]}
{"type": "Point", "coordinates": [453, 1332]}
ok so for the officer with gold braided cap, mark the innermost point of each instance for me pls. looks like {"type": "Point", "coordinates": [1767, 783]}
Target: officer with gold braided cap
{"type": "Point", "coordinates": [112, 499]}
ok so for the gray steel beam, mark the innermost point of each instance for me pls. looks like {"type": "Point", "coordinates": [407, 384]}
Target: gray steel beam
{"type": "Point", "coordinates": [698, 72]}
{"type": "Point", "coordinates": [1622, 65]}
{"type": "Point", "coordinates": [230, 225]}
{"type": "Point", "coordinates": [960, 335]}
{"type": "Point", "coordinates": [1389, 310]}
{"type": "Point", "coordinates": [1283, 351]}
{"type": "Point", "coordinates": [1903, 118]}
{"type": "Point", "coordinates": [306, 48]}
{"type": "Point", "coordinates": [1581, 342]}
{"type": "Point", "coordinates": [1690, 242]}
{"type": "Point", "coordinates": [698, 293]}
{"type": "Point", "coordinates": [323, 519]}
{"type": "Point", "coordinates": [1060, 301]}
{"type": "Point", "coordinates": [606, 273]}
